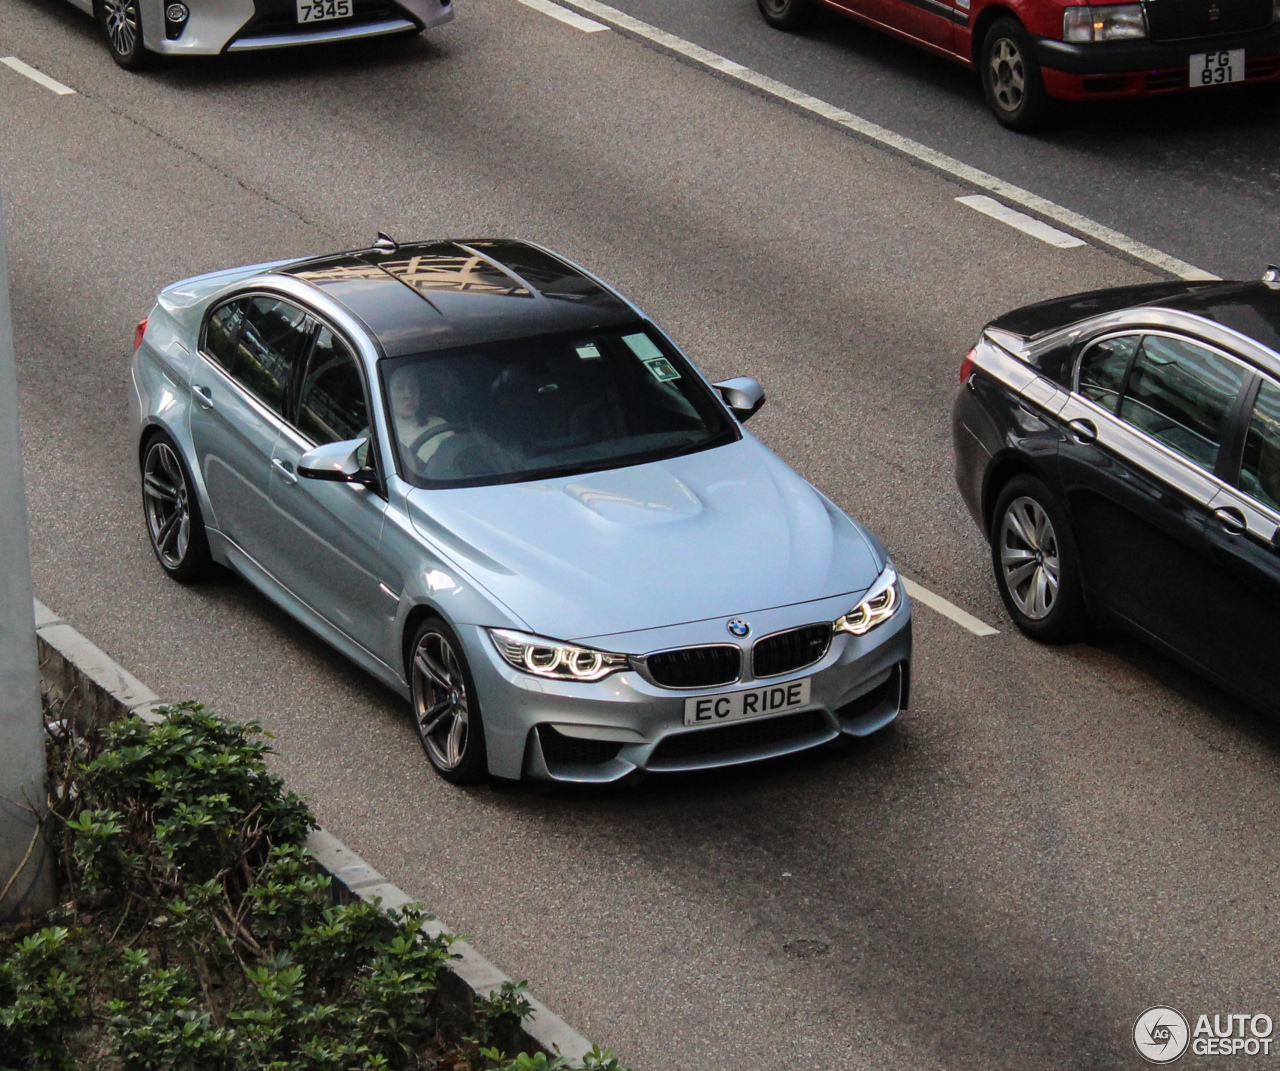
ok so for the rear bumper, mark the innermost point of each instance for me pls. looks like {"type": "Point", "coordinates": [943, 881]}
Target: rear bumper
{"type": "Point", "coordinates": [1141, 68]}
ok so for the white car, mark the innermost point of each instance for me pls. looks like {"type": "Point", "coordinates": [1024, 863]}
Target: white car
{"type": "Point", "coordinates": [139, 30]}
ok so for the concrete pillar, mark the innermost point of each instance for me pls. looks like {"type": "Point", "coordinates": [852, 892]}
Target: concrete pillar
{"type": "Point", "coordinates": [22, 769]}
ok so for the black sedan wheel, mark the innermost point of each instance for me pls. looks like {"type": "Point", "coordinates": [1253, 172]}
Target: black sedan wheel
{"type": "Point", "coordinates": [787, 14]}
{"type": "Point", "coordinates": [173, 513]}
{"type": "Point", "coordinates": [445, 710]}
{"type": "Point", "coordinates": [1034, 556]}
{"type": "Point", "coordinates": [122, 24]}
{"type": "Point", "coordinates": [1011, 77]}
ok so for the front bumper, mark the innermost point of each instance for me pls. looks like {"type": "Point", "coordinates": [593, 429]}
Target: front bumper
{"type": "Point", "coordinates": [217, 26]}
{"type": "Point", "coordinates": [603, 732]}
{"type": "Point", "coordinates": [1111, 69]}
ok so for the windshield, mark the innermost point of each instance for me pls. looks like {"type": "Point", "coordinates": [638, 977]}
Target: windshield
{"type": "Point", "coordinates": [527, 409]}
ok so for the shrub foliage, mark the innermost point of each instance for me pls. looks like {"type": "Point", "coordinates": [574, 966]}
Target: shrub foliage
{"type": "Point", "coordinates": [197, 935]}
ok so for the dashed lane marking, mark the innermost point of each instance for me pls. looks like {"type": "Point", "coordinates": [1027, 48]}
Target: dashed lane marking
{"type": "Point", "coordinates": [940, 161]}
{"type": "Point", "coordinates": [572, 18]}
{"type": "Point", "coordinates": [37, 76]}
{"type": "Point", "coordinates": [947, 609]}
{"type": "Point", "coordinates": [1037, 228]}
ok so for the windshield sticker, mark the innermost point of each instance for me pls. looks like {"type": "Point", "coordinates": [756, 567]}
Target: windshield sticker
{"type": "Point", "coordinates": [589, 352]}
{"type": "Point", "coordinates": [651, 357]}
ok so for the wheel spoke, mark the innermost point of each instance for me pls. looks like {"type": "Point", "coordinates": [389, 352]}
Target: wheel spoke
{"type": "Point", "coordinates": [430, 669]}
{"type": "Point", "coordinates": [457, 741]}
{"type": "Point", "coordinates": [168, 529]}
{"type": "Point", "coordinates": [432, 718]}
{"type": "Point", "coordinates": [1015, 577]}
{"type": "Point", "coordinates": [158, 489]}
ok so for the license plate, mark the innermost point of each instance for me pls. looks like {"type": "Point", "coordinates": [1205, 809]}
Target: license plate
{"type": "Point", "coordinates": [751, 703]}
{"type": "Point", "coordinates": [1217, 68]}
{"type": "Point", "coordinates": [323, 10]}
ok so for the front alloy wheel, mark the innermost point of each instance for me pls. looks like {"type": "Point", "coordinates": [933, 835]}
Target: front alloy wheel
{"type": "Point", "coordinates": [173, 513]}
{"type": "Point", "coordinates": [1011, 77]}
{"type": "Point", "coordinates": [122, 23]}
{"type": "Point", "coordinates": [444, 708]}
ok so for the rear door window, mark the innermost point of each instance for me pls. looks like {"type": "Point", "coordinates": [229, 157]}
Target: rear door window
{"type": "Point", "coordinates": [1181, 394]}
{"type": "Point", "coordinates": [1103, 368]}
{"type": "Point", "coordinates": [1260, 471]}
{"type": "Point", "coordinates": [270, 342]}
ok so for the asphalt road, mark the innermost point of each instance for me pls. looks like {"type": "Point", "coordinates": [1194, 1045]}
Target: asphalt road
{"type": "Point", "coordinates": [1196, 175]}
{"type": "Point", "coordinates": [1051, 841]}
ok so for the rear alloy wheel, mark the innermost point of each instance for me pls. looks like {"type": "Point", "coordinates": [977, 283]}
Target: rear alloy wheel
{"type": "Point", "coordinates": [1037, 570]}
{"type": "Point", "coordinates": [787, 14]}
{"type": "Point", "coordinates": [122, 23]}
{"type": "Point", "coordinates": [1011, 77]}
{"type": "Point", "coordinates": [173, 513]}
{"type": "Point", "coordinates": [445, 710]}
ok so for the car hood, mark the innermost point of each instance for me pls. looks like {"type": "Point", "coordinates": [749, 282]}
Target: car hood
{"type": "Point", "coordinates": [712, 534]}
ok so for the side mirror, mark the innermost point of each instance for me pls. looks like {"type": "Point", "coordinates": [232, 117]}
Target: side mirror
{"type": "Point", "coordinates": [340, 462]}
{"type": "Point", "coordinates": [743, 395]}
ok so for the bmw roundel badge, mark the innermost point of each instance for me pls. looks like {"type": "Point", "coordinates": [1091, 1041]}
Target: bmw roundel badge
{"type": "Point", "coordinates": [739, 628]}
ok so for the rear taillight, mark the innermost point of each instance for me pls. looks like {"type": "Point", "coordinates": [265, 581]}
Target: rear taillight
{"type": "Point", "coordinates": [138, 332]}
{"type": "Point", "coordinates": [966, 366]}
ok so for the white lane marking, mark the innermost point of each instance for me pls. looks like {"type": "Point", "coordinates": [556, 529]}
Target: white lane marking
{"type": "Point", "coordinates": [949, 165]}
{"type": "Point", "coordinates": [37, 76]}
{"type": "Point", "coordinates": [948, 609]}
{"type": "Point", "coordinates": [572, 18]}
{"type": "Point", "coordinates": [1037, 228]}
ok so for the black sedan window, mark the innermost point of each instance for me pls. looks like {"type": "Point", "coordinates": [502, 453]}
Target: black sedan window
{"type": "Point", "coordinates": [1260, 473]}
{"type": "Point", "coordinates": [1102, 370]}
{"type": "Point", "coordinates": [1180, 394]}
{"type": "Point", "coordinates": [552, 405]}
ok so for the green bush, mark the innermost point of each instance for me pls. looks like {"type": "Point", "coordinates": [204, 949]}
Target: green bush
{"type": "Point", "coordinates": [204, 940]}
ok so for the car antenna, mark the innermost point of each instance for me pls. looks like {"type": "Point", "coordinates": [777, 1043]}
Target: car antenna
{"type": "Point", "coordinates": [385, 243]}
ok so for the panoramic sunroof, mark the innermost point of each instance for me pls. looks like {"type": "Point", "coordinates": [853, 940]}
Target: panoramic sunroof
{"type": "Point", "coordinates": [454, 272]}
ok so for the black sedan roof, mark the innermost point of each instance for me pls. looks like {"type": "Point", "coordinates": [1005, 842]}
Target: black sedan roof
{"type": "Point", "coordinates": [437, 295]}
{"type": "Point", "coordinates": [1252, 308]}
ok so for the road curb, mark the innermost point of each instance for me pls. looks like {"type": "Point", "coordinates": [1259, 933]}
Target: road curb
{"type": "Point", "coordinates": [93, 689]}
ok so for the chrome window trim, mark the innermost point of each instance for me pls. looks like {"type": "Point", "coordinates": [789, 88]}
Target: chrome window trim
{"type": "Point", "coordinates": [1271, 513]}
{"type": "Point", "coordinates": [1169, 452]}
{"type": "Point", "coordinates": [640, 663]}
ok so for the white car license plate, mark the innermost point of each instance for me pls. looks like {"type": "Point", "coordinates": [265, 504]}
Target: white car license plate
{"type": "Point", "coordinates": [1217, 68]}
{"type": "Point", "coordinates": [751, 703]}
{"type": "Point", "coordinates": [322, 10]}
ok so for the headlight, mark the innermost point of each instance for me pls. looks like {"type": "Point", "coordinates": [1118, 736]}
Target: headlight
{"type": "Point", "coordinates": [1114, 22]}
{"type": "Point", "coordinates": [560, 661]}
{"type": "Point", "coordinates": [879, 604]}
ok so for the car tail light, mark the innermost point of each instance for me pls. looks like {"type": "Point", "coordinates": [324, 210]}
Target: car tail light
{"type": "Point", "coordinates": [966, 366]}
{"type": "Point", "coordinates": [138, 332]}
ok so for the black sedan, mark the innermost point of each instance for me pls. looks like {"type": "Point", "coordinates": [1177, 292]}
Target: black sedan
{"type": "Point", "coordinates": [1121, 451]}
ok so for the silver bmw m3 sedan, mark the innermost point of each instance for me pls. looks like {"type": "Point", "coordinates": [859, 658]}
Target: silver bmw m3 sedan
{"type": "Point", "coordinates": [490, 480]}
{"type": "Point", "coordinates": [137, 31]}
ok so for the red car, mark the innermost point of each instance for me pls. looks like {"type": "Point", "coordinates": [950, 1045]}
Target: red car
{"type": "Point", "coordinates": [1030, 50]}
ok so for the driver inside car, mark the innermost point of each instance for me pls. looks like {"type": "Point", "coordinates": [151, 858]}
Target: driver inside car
{"type": "Point", "coordinates": [412, 423]}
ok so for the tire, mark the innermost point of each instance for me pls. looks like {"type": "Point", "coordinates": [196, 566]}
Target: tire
{"type": "Point", "coordinates": [1033, 553]}
{"type": "Point", "coordinates": [172, 511]}
{"type": "Point", "coordinates": [121, 22]}
{"type": "Point", "coordinates": [1011, 77]}
{"type": "Point", "coordinates": [446, 712]}
{"type": "Point", "coordinates": [788, 14]}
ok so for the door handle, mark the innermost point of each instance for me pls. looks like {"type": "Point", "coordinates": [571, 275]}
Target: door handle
{"type": "Point", "coordinates": [1231, 519]}
{"type": "Point", "coordinates": [285, 469]}
{"type": "Point", "coordinates": [204, 396]}
{"type": "Point", "coordinates": [1085, 431]}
